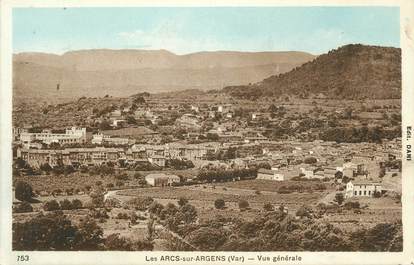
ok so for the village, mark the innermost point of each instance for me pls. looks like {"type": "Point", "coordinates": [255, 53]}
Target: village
{"type": "Point", "coordinates": [211, 156]}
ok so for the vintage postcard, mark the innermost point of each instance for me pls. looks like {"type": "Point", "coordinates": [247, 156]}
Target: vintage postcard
{"type": "Point", "coordinates": [203, 132]}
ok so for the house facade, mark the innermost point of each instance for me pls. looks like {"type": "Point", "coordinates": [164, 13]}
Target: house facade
{"type": "Point", "coordinates": [161, 180]}
{"type": "Point", "coordinates": [269, 175]}
{"type": "Point", "coordinates": [362, 188]}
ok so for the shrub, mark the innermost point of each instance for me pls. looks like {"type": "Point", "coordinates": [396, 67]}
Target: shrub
{"type": "Point", "coordinates": [352, 205]}
{"type": "Point", "coordinates": [377, 194]}
{"type": "Point", "coordinates": [141, 203]}
{"type": "Point", "coordinates": [243, 204]}
{"type": "Point", "coordinates": [66, 205]}
{"type": "Point", "coordinates": [122, 177]}
{"type": "Point", "coordinates": [116, 242]}
{"type": "Point", "coordinates": [52, 205]}
{"type": "Point", "coordinates": [23, 191]}
{"type": "Point", "coordinates": [76, 204]}
{"type": "Point", "coordinates": [99, 214]}
{"type": "Point", "coordinates": [189, 213]}
{"type": "Point", "coordinates": [112, 203]}
{"type": "Point", "coordinates": [339, 198]}
{"type": "Point", "coordinates": [122, 216]}
{"type": "Point", "coordinates": [119, 183]}
{"type": "Point", "coordinates": [304, 211]}
{"type": "Point", "coordinates": [69, 191]}
{"type": "Point", "coordinates": [182, 201]}
{"type": "Point", "coordinates": [23, 207]}
{"type": "Point", "coordinates": [268, 207]}
{"type": "Point", "coordinates": [155, 208]}
{"type": "Point", "coordinates": [257, 192]}
{"type": "Point", "coordinates": [219, 204]}
{"type": "Point", "coordinates": [55, 231]}
{"type": "Point", "coordinates": [310, 160]}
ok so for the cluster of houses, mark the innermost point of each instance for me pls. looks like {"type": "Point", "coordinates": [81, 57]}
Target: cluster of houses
{"type": "Point", "coordinates": [154, 154]}
{"type": "Point", "coordinates": [288, 158]}
{"type": "Point", "coordinates": [71, 136]}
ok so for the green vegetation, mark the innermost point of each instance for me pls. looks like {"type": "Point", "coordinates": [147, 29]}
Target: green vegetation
{"type": "Point", "coordinates": [23, 191]}
{"type": "Point", "coordinates": [325, 75]}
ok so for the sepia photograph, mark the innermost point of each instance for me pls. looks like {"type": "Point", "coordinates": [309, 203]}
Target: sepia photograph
{"type": "Point", "coordinates": [207, 129]}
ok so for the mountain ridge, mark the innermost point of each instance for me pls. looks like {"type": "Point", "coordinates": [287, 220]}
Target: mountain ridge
{"type": "Point", "coordinates": [122, 73]}
{"type": "Point", "coordinates": [352, 71]}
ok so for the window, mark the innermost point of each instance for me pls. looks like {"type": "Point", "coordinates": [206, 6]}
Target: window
{"type": "Point", "coordinates": [365, 192]}
{"type": "Point", "coordinates": [355, 193]}
{"type": "Point", "coordinates": [369, 192]}
{"type": "Point", "coordinates": [360, 192]}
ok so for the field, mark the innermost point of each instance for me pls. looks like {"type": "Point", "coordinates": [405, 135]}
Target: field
{"type": "Point", "coordinates": [256, 192]}
{"type": "Point", "coordinates": [268, 185]}
{"type": "Point", "coordinates": [376, 210]}
{"type": "Point", "coordinates": [77, 180]}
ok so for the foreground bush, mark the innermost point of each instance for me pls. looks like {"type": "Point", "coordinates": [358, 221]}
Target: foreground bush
{"type": "Point", "coordinates": [54, 231]}
{"type": "Point", "coordinates": [23, 191]}
{"type": "Point", "coordinates": [116, 242]}
{"type": "Point", "coordinates": [23, 207]}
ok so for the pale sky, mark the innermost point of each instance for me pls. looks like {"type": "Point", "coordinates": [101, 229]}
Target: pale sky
{"type": "Point", "coordinates": [185, 30]}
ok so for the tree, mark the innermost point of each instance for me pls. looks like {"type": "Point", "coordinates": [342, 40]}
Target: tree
{"type": "Point", "coordinates": [23, 207]}
{"type": "Point", "coordinates": [116, 242]}
{"type": "Point", "coordinates": [44, 232]}
{"type": "Point", "coordinates": [304, 211]}
{"type": "Point", "coordinates": [104, 125]}
{"type": "Point", "coordinates": [150, 229]}
{"type": "Point", "coordinates": [20, 163]}
{"type": "Point", "coordinates": [268, 207]}
{"type": "Point", "coordinates": [55, 231]}
{"type": "Point", "coordinates": [142, 182]}
{"type": "Point", "coordinates": [45, 167]}
{"type": "Point", "coordinates": [52, 205]}
{"type": "Point", "coordinates": [382, 172]}
{"type": "Point", "coordinates": [377, 194]}
{"type": "Point", "coordinates": [339, 198]}
{"type": "Point", "coordinates": [189, 213]}
{"type": "Point", "coordinates": [23, 191]}
{"type": "Point", "coordinates": [156, 208]}
{"type": "Point", "coordinates": [219, 204]}
{"type": "Point", "coordinates": [208, 238]}
{"type": "Point", "coordinates": [243, 204]}
{"type": "Point", "coordinates": [310, 160]}
{"type": "Point", "coordinates": [66, 205]}
{"type": "Point", "coordinates": [76, 204]}
{"type": "Point", "coordinates": [182, 201]}
{"type": "Point", "coordinates": [339, 175]}
{"type": "Point", "coordinates": [89, 235]}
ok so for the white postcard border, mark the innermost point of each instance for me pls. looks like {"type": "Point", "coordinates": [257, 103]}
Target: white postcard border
{"type": "Point", "coordinates": [7, 256]}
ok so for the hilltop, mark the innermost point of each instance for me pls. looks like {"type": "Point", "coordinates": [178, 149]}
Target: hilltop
{"type": "Point", "coordinates": [353, 71]}
{"type": "Point", "coordinates": [121, 73]}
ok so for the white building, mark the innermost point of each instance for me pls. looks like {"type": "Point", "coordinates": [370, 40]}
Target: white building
{"type": "Point", "coordinates": [308, 172]}
{"type": "Point", "coordinates": [100, 138]}
{"type": "Point", "coordinates": [161, 179]}
{"type": "Point", "coordinates": [269, 175]}
{"type": "Point", "coordinates": [362, 188]}
{"type": "Point", "coordinates": [72, 135]}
